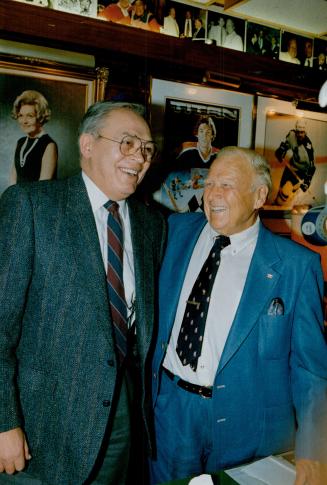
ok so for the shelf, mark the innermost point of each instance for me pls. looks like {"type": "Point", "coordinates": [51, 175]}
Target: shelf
{"type": "Point", "coordinates": [160, 55]}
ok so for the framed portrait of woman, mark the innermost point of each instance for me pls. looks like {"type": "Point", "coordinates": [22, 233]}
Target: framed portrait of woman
{"type": "Point", "coordinates": [41, 106]}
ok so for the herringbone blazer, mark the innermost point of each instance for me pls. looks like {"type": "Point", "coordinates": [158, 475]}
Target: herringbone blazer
{"type": "Point", "coordinates": [57, 360]}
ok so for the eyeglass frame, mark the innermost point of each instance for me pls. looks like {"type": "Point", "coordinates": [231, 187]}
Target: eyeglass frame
{"type": "Point", "coordinates": [142, 146]}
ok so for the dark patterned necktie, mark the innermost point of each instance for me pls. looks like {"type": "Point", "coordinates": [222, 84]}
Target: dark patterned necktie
{"type": "Point", "coordinates": [188, 30]}
{"type": "Point", "coordinates": [190, 338]}
{"type": "Point", "coordinates": [115, 279]}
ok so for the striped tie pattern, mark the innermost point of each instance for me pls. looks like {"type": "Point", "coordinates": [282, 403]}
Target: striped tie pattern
{"type": "Point", "coordinates": [190, 338]}
{"type": "Point", "coordinates": [115, 278]}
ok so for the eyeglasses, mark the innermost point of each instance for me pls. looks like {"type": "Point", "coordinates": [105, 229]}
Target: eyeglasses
{"type": "Point", "coordinates": [130, 144]}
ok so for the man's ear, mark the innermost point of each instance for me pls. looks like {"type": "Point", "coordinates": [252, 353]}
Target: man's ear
{"type": "Point", "coordinates": [86, 142]}
{"type": "Point", "coordinates": [262, 194]}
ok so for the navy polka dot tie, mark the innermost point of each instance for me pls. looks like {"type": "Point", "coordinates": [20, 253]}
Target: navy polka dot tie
{"type": "Point", "coordinates": [190, 338]}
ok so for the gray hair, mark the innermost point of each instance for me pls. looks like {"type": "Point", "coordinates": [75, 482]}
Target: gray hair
{"type": "Point", "coordinates": [32, 98]}
{"type": "Point", "coordinates": [260, 165]}
{"type": "Point", "coordinates": [97, 114]}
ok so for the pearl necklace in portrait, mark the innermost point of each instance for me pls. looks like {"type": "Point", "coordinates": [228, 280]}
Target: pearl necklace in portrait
{"type": "Point", "coordinates": [22, 155]}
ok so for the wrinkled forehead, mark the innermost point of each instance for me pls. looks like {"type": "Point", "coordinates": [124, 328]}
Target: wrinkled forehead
{"type": "Point", "coordinates": [125, 116]}
{"type": "Point", "coordinates": [233, 165]}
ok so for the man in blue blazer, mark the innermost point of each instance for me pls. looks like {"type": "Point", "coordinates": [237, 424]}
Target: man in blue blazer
{"type": "Point", "coordinates": [65, 397]}
{"type": "Point", "coordinates": [257, 382]}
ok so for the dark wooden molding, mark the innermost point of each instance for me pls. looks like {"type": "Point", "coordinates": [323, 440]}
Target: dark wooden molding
{"type": "Point", "coordinates": [231, 3]}
{"type": "Point", "coordinates": [146, 54]}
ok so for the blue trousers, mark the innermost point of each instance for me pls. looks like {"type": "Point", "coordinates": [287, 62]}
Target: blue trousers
{"type": "Point", "coordinates": [184, 434]}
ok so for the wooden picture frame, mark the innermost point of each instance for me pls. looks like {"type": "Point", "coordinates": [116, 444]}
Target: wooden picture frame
{"type": "Point", "coordinates": [275, 124]}
{"type": "Point", "coordinates": [69, 90]}
{"type": "Point", "coordinates": [176, 109]}
{"type": "Point", "coordinates": [275, 119]}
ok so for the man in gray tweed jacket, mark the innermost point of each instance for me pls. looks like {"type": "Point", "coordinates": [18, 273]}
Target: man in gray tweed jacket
{"type": "Point", "coordinates": [65, 401]}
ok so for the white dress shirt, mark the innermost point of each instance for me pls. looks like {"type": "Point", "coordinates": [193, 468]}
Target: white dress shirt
{"type": "Point", "coordinates": [233, 41]}
{"type": "Point", "coordinates": [98, 199]}
{"type": "Point", "coordinates": [225, 297]}
{"type": "Point", "coordinates": [188, 28]}
{"type": "Point", "coordinates": [218, 34]}
{"type": "Point", "coordinates": [170, 27]}
{"type": "Point", "coordinates": [285, 56]}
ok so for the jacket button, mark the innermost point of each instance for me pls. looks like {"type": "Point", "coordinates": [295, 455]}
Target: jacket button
{"type": "Point", "coordinates": [111, 362]}
{"type": "Point", "coordinates": [106, 403]}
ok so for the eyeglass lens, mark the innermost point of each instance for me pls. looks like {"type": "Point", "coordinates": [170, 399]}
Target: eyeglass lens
{"type": "Point", "coordinates": [130, 144]}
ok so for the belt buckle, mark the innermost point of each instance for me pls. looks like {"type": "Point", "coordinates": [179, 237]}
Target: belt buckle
{"type": "Point", "coordinates": [202, 395]}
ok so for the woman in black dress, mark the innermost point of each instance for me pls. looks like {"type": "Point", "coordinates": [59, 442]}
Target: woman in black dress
{"type": "Point", "coordinates": [36, 153]}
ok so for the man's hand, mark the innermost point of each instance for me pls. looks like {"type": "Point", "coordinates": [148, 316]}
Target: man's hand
{"type": "Point", "coordinates": [13, 451]}
{"type": "Point", "coordinates": [310, 472]}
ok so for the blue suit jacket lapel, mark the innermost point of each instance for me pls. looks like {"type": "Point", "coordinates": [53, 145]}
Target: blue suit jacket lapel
{"type": "Point", "coordinates": [262, 277]}
{"type": "Point", "coordinates": [175, 265]}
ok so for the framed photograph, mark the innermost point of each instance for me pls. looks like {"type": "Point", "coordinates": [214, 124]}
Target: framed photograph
{"type": "Point", "coordinates": [67, 92]}
{"type": "Point", "coordinates": [294, 143]}
{"type": "Point", "coordinates": [191, 123]}
{"type": "Point", "coordinates": [296, 49]}
{"type": "Point", "coordinates": [225, 31]}
{"type": "Point", "coordinates": [40, 3]}
{"type": "Point", "coordinates": [320, 55]}
{"type": "Point", "coordinates": [262, 40]}
{"type": "Point", "coordinates": [185, 16]}
{"type": "Point", "coordinates": [82, 7]}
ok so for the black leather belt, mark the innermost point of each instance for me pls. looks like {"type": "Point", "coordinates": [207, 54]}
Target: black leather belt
{"type": "Point", "coordinates": [203, 391]}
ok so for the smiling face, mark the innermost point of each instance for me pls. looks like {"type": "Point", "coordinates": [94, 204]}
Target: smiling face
{"type": "Point", "coordinates": [204, 135]}
{"type": "Point", "coordinates": [292, 48]}
{"type": "Point", "coordinates": [139, 8]}
{"type": "Point", "coordinates": [27, 119]}
{"type": "Point", "coordinates": [117, 175]}
{"type": "Point", "coordinates": [308, 49]}
{"type": "Point", "coordinates": [124, 3]}
{"type": "Point", "coordinates": [172, 12]}
{"type": "Point", "coordinates": [229, 26]}
{"type": "Point", "coordinates": [231, 198]}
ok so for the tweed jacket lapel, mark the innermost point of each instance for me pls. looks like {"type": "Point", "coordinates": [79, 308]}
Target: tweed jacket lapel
{"type": "Point", "coordinates": [262, 277]}
{"type": "Point", "coordinates": [86, 248]}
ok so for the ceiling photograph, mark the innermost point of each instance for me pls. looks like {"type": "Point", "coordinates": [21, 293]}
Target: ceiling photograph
{"type": "Point", "coordinates": [303, 16]}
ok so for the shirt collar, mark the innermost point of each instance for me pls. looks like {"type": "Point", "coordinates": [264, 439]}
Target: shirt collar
{"type": "Point", "coordinates": [98, 198]}
{"type": "Point", "coordinates": [241, 239]}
